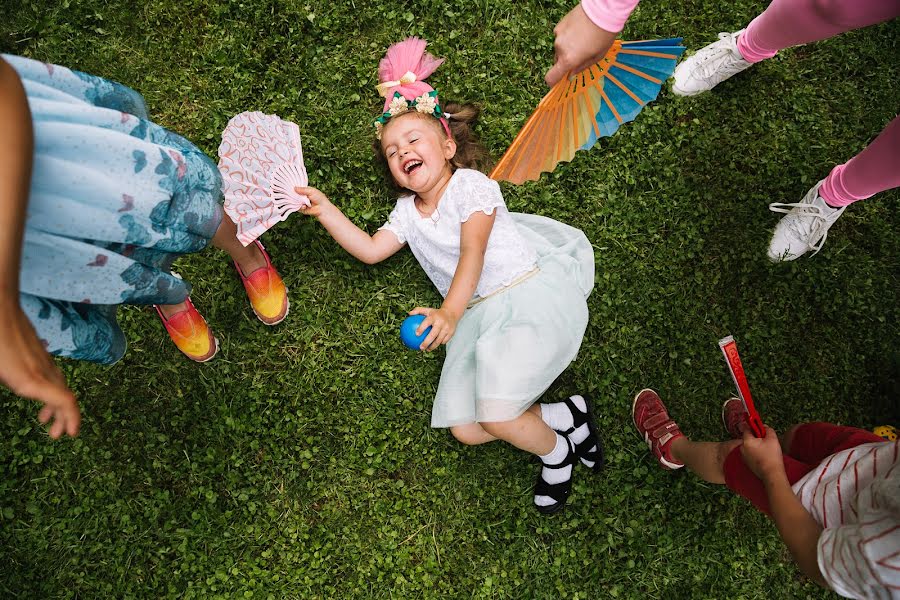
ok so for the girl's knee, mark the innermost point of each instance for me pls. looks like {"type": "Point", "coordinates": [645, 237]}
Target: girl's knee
{"type": "Point", "coordinates": [470, 434]}
{"type": "Point", "coordinates": [497, 429]}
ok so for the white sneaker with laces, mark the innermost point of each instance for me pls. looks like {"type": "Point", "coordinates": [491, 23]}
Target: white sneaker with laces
{"type": "Point", "coordinates": [709, 66]}
{"type": "Point", "coordinates": [804, 228]}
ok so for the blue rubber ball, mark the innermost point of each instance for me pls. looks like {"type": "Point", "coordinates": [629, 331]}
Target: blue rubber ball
{"type": "Point", "coordinates": [408, 332]}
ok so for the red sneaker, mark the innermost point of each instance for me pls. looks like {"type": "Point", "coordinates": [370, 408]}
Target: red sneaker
{"type": "Point", "coordinates": [266, 291]}
{"type": "Point", "coordinates": [733, 416]}
{"type": "Point", "coordinates": [656, 427]}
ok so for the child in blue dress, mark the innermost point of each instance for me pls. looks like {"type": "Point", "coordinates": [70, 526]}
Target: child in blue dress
{"type": "Point", "coordinates": [96, 202]}
{"type": "Point", "coordinates": [514, 285]}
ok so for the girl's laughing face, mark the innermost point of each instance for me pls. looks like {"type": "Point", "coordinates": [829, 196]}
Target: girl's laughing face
{"type": "Point", "coordinates": [417, 151]}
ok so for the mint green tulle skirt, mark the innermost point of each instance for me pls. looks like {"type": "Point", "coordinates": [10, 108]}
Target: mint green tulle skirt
{"type": "Point", "coordinates": [511, 346]}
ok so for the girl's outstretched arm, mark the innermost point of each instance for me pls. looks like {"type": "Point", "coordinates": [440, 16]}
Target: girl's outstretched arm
{"type": "Point", "coordinates": [473, 241]}
{"type": "Point", "coordinates": [24, 364]}
{"type": "Point", "coordinates": [370, 249]}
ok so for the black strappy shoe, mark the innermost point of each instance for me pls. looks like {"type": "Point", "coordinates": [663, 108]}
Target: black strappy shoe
{"type": "Point", "coordinates": [559, 492]}
{"type": "Point", "coordinates": [583, 450]}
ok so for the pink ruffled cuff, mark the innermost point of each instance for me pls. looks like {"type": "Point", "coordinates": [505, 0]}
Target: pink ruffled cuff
{"type": "Point", "coordinates": [609, 14]}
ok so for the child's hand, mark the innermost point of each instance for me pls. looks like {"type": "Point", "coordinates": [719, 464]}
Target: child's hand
{"type": "Point", "coordinates": [443, 326]}
{"type": "Point", "coordinates": [579, 44]}
{"type": "Point", "coordinates": [27, 369]}
{"type": "Point", "coordinates": [763, 455]}
{"type": "Point", "coordinates": [319, 201]}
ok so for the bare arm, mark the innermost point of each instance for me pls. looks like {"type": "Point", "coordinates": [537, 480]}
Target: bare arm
{"type": "Point", "coordinates": [797, 527]}
{"type": "Point", "coordinates": [24, 364]}
{"type": "Point", "coordinates": [473, 242]}
{"type": "Point", "coordinates": [474, 235]}
{"type": "Point", "coordinates": [370, 249]}
{"type": "Point", "coordinates": [15, 178]}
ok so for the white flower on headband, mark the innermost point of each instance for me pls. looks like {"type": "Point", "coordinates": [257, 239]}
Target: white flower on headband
{"type": "Point", "coordinates": [379, 128]}
{"type": "Point", "coordinates": [426, 104]}
{"type": "Point", "coordinates": [398, 106]}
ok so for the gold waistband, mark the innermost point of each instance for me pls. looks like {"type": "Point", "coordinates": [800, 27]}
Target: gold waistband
{"type": "Point", "coordinates": [515, 282]}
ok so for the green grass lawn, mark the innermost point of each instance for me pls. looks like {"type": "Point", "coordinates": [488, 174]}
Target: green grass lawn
{"type": "Point", "coordinates": [300, 463]}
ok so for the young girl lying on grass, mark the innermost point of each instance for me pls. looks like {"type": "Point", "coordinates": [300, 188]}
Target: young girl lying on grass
{"type": "Point", "coordinates": [514, 285]}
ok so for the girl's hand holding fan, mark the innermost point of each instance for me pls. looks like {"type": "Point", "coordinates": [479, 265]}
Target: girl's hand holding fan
{"type": "Point", "coordinates": [579, 44]}
{"type": "Point", "coordinates": [736, 368]}
{"type": "Point", "coordinates": [762, 453]}
{"type": "Point", "coordinates": [261, 161]}
{"type": "Point", "coordinates": [318, 202]}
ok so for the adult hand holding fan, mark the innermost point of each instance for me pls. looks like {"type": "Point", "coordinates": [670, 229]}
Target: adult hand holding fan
{"type": "Point", "coordinates": [579, 110]}
{"type": "Point", "coordinates": [261, 161]}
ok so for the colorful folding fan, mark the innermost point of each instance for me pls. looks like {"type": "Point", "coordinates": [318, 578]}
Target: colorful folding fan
{"type": "Point", "coordinates": [593, 104]}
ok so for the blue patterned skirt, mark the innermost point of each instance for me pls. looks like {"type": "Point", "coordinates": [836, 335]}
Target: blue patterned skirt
{"type": "Point", "coordinates": [114, 200]}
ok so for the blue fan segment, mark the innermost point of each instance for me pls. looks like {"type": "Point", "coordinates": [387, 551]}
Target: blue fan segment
{"type": "Point", "coordinates": [628, 108]}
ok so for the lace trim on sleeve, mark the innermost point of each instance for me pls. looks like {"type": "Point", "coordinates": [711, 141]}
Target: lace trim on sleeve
{"type": "Point", "coordinates": [395, 224]}
{"type": "Point", "coordinates": [477, 193]}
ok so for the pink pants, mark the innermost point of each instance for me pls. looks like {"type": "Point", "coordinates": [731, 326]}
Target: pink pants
{"type": "Point", "coordinates": [788, 23]}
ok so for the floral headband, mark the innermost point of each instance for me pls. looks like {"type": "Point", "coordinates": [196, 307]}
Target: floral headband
{"type": "Point", "coordinates": [409, 91]}
{"type": "Point", "coordinates": [427, 104]}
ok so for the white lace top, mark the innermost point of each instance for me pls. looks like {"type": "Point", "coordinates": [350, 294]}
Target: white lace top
{"type": "Point", "coordinates": [434, 240]}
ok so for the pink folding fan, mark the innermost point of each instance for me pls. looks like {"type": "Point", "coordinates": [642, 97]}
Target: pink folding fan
{"type": "Point", "coordinates": [261, 161]}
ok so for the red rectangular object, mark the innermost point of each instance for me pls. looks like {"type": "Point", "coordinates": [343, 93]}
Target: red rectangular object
{"type": "Point", "coordinates": [733, 359]}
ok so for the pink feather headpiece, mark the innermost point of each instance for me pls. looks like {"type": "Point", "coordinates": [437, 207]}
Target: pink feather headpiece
{"type": "Point", "coordinates": [401, 75]}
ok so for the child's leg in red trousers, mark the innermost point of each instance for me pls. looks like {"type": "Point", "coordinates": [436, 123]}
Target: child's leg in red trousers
{"type": "Point", "coordinates": [804, 446]}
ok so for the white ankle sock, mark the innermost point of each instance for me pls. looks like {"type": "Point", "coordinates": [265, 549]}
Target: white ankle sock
{"type": "Point", "coordinates": [558, 416]}
{"type": "Point", "coordinates": [551, 476]}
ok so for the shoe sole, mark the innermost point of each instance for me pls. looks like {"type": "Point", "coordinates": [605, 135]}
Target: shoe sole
{"type": "Point", "coordinates": [680, 92]}
{"type": "Point", "coordinates": [211, 356]}
{"type": "Point", "coordinates": [633, 404]}
{"type": "Point", "coordinates": [724, 422]}
{"type": "Point", "coordinates": [662, 461]}
{"type": "Point", "coordinates": [287, 309]}
{"type": "Point", "coordinates": [595, 431]}
{"type": "Point", "coordinates": [552, 509]}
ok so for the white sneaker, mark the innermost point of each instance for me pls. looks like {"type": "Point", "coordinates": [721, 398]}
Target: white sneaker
{"type": "Point", "coordinates": [709, 66]}
{"type": "Point", "coordinates": [804, 228]}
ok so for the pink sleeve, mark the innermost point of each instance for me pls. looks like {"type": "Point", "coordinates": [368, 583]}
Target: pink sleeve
{"type": "Point", "coordinates": [609, 14]}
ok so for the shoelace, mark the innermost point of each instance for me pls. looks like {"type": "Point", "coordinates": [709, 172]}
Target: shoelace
{"type": "Point", "coordinates": [709, 64]}
{"type": "Point", "coordinates": [817, 226]}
